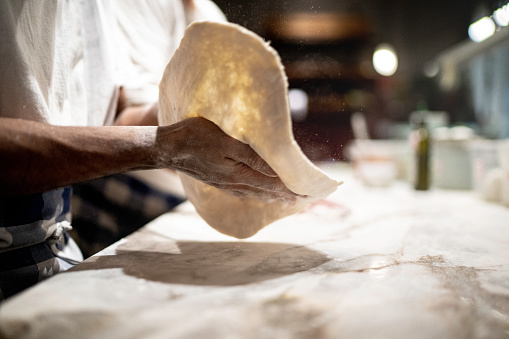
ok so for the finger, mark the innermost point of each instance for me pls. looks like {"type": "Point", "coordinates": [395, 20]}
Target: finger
{"type": "Point", "coordinates": [247, 176]}
{"type": "Point", "coordinates": [250, 158]}
{"type": "Point", "coordinates": [250, 191]}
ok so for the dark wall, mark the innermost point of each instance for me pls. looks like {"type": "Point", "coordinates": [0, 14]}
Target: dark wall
{"type": "Point", "coordinates": [418, 29]}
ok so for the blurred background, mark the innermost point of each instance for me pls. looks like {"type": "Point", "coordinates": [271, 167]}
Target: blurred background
{"type": "Point", "coordinates": [385, 59]}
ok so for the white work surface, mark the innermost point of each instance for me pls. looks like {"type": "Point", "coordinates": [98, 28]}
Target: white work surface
{"type": "Point", "coordinates": [365, 263]}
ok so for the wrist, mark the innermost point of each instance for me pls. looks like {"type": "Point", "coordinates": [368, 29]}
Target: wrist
{"type": "Point", "coordinates": [169, 143]}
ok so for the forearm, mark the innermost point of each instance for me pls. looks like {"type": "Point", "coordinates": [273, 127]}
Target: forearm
{"type": "Point", "coordinates": [36, 157]}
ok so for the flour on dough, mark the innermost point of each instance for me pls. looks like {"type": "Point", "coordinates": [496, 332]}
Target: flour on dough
{"type": "Point", "coordinates": [230, 76]}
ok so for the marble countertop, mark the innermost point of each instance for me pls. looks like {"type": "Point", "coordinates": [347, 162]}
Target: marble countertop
{"type": "Point", "coordinates": [364, 263]}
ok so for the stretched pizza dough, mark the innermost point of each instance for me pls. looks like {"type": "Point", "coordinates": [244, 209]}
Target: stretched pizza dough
{"type": "Point", "coordinates": [230, 76]}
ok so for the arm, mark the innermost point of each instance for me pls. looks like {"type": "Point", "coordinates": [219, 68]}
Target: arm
{"type": "Point", "coordinates": [38, 157]}
{"type": "Point", "coordinates": [130, 115]}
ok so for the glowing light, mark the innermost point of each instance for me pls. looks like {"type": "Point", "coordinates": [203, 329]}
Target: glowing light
{"type": "Point", "coordinates": [298, 104]}
{"type": "Point", "coordinates": [501, 16]}
{"type": "Point", "coordinates": [481, 29]}
{"type": "Point", "coordinates": [385, 60]}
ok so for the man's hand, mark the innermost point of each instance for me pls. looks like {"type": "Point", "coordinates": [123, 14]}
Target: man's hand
{"type": "Point", "coordinates": [209, 155]}
{"type": "Point", "coordinates": [138, 116]}
{"type": "Point", "coordinates": [206, 153]}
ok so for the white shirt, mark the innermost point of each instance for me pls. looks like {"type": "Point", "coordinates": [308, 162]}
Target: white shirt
{"type": "Point", "coordinates": [56, 66]}
{"type": "Point", "coordinates": [56, 61]}
{"type": "Point", "coordinates": [150, 32]}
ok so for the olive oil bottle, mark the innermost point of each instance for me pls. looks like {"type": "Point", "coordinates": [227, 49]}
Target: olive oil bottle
{"type": "Point", "coordinates": [422, 157]}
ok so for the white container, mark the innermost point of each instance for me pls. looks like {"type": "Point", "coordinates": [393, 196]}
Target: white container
{"type": "Point", "coordinates": [379, 162]}
{"type": "Point", "coordinates": [483, 159]}
{"type": "Point", "coordinates": [451, 167]}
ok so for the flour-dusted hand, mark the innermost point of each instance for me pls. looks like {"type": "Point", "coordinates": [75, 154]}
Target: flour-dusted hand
{"type": "Point", "coordinates": [203, 151]}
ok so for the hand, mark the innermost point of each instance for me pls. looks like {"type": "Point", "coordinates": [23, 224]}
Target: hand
{"type": "Point", "coordinates": [145, 115]}
{"type": "Point", "coordinates": [135, 115]}
{"type": "Point", "coordinates": [205, 152]}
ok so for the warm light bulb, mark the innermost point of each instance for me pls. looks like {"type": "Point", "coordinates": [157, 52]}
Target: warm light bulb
{"type": "Point", "coordinates": [385, 60]}
{"type": "Point", "coordinates": [481, 29]}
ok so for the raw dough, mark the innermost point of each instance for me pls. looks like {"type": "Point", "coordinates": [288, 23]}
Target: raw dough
{"type": "Point", "coordinates": [229, 75]}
